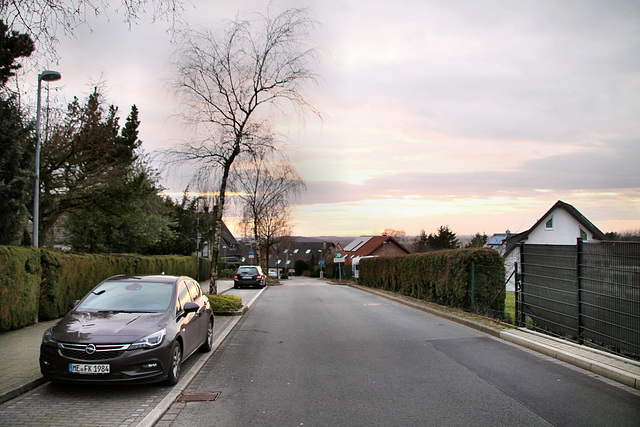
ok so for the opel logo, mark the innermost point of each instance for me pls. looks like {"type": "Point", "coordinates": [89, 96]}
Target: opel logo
{"type": "Point", "coordinates": [90, 349]}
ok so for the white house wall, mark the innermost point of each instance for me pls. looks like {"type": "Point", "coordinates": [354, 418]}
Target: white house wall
{"type": "Point", "coordinates": [565, 231]}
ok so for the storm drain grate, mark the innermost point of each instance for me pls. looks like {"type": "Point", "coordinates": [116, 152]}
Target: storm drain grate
{"type": "Point", "coordinates": [199, 397]}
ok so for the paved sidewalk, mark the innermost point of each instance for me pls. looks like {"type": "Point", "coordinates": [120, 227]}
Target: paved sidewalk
{"type": "Point", "coordinates": [19, 354]}
{"type": "Point", "coordinates": [616, 368]}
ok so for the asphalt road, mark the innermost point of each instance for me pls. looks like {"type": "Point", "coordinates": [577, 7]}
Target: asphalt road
{"type": "Point", "coordinates": [314, 354]}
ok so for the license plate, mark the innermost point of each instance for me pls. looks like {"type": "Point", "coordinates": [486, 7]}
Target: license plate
{"type": "Point", "coordinates": [77, 368]}
{"type": "Point", "coordinates": [248, 277]}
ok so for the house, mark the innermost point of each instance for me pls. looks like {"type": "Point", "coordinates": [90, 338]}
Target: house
{"type": "Point", "coordinates": [285, 254]}
{"type": "Point", "coordinates": [373, 246]}
{"type": "Point", "coordinates": [230, 249]}
{"type": "Point", "coordinates": [561, 225]}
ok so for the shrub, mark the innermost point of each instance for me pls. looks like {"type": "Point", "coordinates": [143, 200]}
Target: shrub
{"type": "Point", "coordinates": [443, 277]}
{"type": "Point", "coordinates": [225, 303]}
{"type": "Point", "coordinates": [19, 286]}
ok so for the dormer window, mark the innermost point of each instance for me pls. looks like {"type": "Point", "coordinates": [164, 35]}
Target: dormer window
{"type": "Point", "coordinates": [549, 224]}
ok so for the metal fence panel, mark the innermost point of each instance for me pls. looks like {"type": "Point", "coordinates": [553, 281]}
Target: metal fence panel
{"type": "Point", "coordinates": [549, 287]}
{"type": "Point", "coordinates": [590, 291]}
{"type": "Point", "coordinates": [610, 294]}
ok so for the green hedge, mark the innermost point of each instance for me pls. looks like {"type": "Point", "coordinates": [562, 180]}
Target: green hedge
{"type": "Point", "coordinates": [443, 277]}
{"type": "Point", "coordinates": [40, 284]}
{"type": "Point", "coordinates": [19, 286]}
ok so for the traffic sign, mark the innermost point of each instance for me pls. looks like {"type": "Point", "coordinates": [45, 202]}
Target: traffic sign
{"type": "Point", "coordinates": [338, 248]}
{"type": "Point", "coordinates": [251, 254]}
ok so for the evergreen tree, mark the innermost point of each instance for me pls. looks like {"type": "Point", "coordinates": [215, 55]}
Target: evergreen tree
{"type": "Point", "coordinates": [13, 45]}
{"type": "Point", "coordinates": [445, 239]}
{"type": "Point", "coordinates": [16, 173]}
{"type": "Point", "coordinates": [16, 144]}
{"type": "Point", "coordinates": [478, 241]}
{"type": "Point", "coordinates": [127, 215]}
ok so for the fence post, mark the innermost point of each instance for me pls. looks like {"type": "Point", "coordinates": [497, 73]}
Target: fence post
{"type": "Point", "coordinates": [579, 282]}
{"type": "Point", "coordinates": [521, 320]}
{"type": "Point", "coordinates": [473, 287]}
{"type": "Point", "coordinates": [518, 289]}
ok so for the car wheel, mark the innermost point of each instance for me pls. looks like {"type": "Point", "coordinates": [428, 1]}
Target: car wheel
{"type": "Point", "coordinates": [208, 342]}
{"type": "Point", "coordinates": [175, 364]}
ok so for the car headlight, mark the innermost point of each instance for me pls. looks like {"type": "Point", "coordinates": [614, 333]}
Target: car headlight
{"type": "Point", "coordinates": [47, 337]}
{"type": "Point", "coordinates": [150, 341]}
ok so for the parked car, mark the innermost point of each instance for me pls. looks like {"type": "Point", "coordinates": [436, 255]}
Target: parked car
{"type": "Point", "coordinates": [249, 275]}
{"type": "Point", "coordinates": [129, 329]}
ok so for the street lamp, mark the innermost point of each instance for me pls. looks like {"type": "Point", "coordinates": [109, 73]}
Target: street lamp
{"type": "Point", "coordinates": [47, 76]}
{"type": "Point", "coordinates": [321, 262]}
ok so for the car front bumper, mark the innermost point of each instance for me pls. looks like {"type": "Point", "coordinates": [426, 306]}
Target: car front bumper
{"type": "Point", "coordinates": [129, 366]}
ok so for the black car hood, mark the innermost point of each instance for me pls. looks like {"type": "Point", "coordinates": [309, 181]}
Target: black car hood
{"type": "Point", "coordinates": [107, 327]}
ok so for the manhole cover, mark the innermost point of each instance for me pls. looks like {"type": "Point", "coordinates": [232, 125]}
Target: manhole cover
{"type": "Point", "coordinates": [198, 397]}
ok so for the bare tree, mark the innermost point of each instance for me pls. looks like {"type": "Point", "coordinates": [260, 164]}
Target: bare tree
{"type": "Point", "coordinates": [228, 85]}
{"type": "Point", "coordinates": [43, 20]}
{"type": "Point", "coordinates": [267, 187]}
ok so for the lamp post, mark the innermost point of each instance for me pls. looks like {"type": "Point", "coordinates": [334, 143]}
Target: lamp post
{"type": "Point", "coordinates": [47, 76]}
{"type": "Point", "coordinates": [321, 262]}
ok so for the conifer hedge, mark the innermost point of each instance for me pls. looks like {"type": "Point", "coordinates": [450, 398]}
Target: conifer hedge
{"type": "Point", "coordinates": [442, 277]}
{"type": "Point", "coordinates": [41, 284]}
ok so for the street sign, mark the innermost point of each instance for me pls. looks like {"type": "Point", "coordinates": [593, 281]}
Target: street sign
{"type": "Point", "coordinates": [337, 251]}
{"type": "Point", "coordinates": [251, 254]}
{"type": "Point", "coordinates": [321, 262]}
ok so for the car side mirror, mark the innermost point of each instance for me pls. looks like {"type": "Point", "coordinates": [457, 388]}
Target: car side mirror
{"type": "Point", "coordinates": [191, 307]}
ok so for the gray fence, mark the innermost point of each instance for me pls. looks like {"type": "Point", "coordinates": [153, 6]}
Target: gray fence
{"type": "Point", "coordinates": [589, 292]}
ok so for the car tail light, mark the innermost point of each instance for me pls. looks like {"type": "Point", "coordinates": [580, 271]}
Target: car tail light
{"type": "Point", "coordinates": [235, 277]}
{"type": "Point", "coordinates": [258, 277]}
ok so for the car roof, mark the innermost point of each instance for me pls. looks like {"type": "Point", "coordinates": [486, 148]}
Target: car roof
{"type": "Point", "coordinates": [162, 278]}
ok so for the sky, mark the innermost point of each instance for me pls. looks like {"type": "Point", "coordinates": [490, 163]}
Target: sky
{"type": "Point", "coordinates": [475, 115]}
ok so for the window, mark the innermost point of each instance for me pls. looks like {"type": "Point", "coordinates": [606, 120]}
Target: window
{"type": "Point", "coordinates": [183, 296]}
{"type": "Point", "coordinates": [295, 251]}
{"type": "Point", "coordinates": [549, 224]}
{"type": "Point", "coordinates": [308, 251]}
{"type": "Point", "coordinates": [583, 234]}
{"type": "Point", "coordinates": [194, 290]}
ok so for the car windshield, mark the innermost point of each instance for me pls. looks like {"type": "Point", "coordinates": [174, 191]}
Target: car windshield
{"type": "Point", "coordinates": [248, 271]}
{"type": "Point", "coordinates": [129, 296]}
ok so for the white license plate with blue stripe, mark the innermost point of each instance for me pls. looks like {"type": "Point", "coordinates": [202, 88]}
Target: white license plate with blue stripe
{"type": "Point", "coordinates": [79, 368]}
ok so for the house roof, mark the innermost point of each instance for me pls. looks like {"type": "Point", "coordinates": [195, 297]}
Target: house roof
{"type": "Point", "coordinates": [366, 245]}
{"type": "Point", "coordinates": [574, 213]}
{"type": "Point", "coordinates": [512, 240]}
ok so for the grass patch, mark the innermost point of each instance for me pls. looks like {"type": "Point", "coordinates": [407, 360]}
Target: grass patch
{"type": "Point", "coordinates": [225, 303]}
{"type": "Point", "coordinates": [510, 306]}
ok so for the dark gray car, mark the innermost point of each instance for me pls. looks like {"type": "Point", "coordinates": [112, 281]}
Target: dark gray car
{"type": "Point", "coordinates": [129, 329]}
{"type": "Point", "coordinates": [249, 275]}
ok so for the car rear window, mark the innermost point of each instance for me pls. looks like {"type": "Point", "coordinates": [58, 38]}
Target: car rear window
{"type": "Point", "coordinates": [129, 296]}
{"type": "Point", "coordinates": [248, 271]}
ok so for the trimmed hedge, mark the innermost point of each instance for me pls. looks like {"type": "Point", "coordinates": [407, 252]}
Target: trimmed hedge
{"type": "Point", "coordinates": [225, 303]}
{"type": "Point", "coordinates": [69, 277]}
{"type": "Point", "coordinates": [40, 284]}
{"type": "Point", "coordinates": [442, 277]}
{"type": "Point", "coordinates": [19, 286]}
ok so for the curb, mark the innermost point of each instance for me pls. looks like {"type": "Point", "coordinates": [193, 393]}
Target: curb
{"type": "Point", "coordinates": [515, 336]}
{"type": "Point", "coordinates": [240, 312]}
{"type": "Point", "coordinates": [22, 389]}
